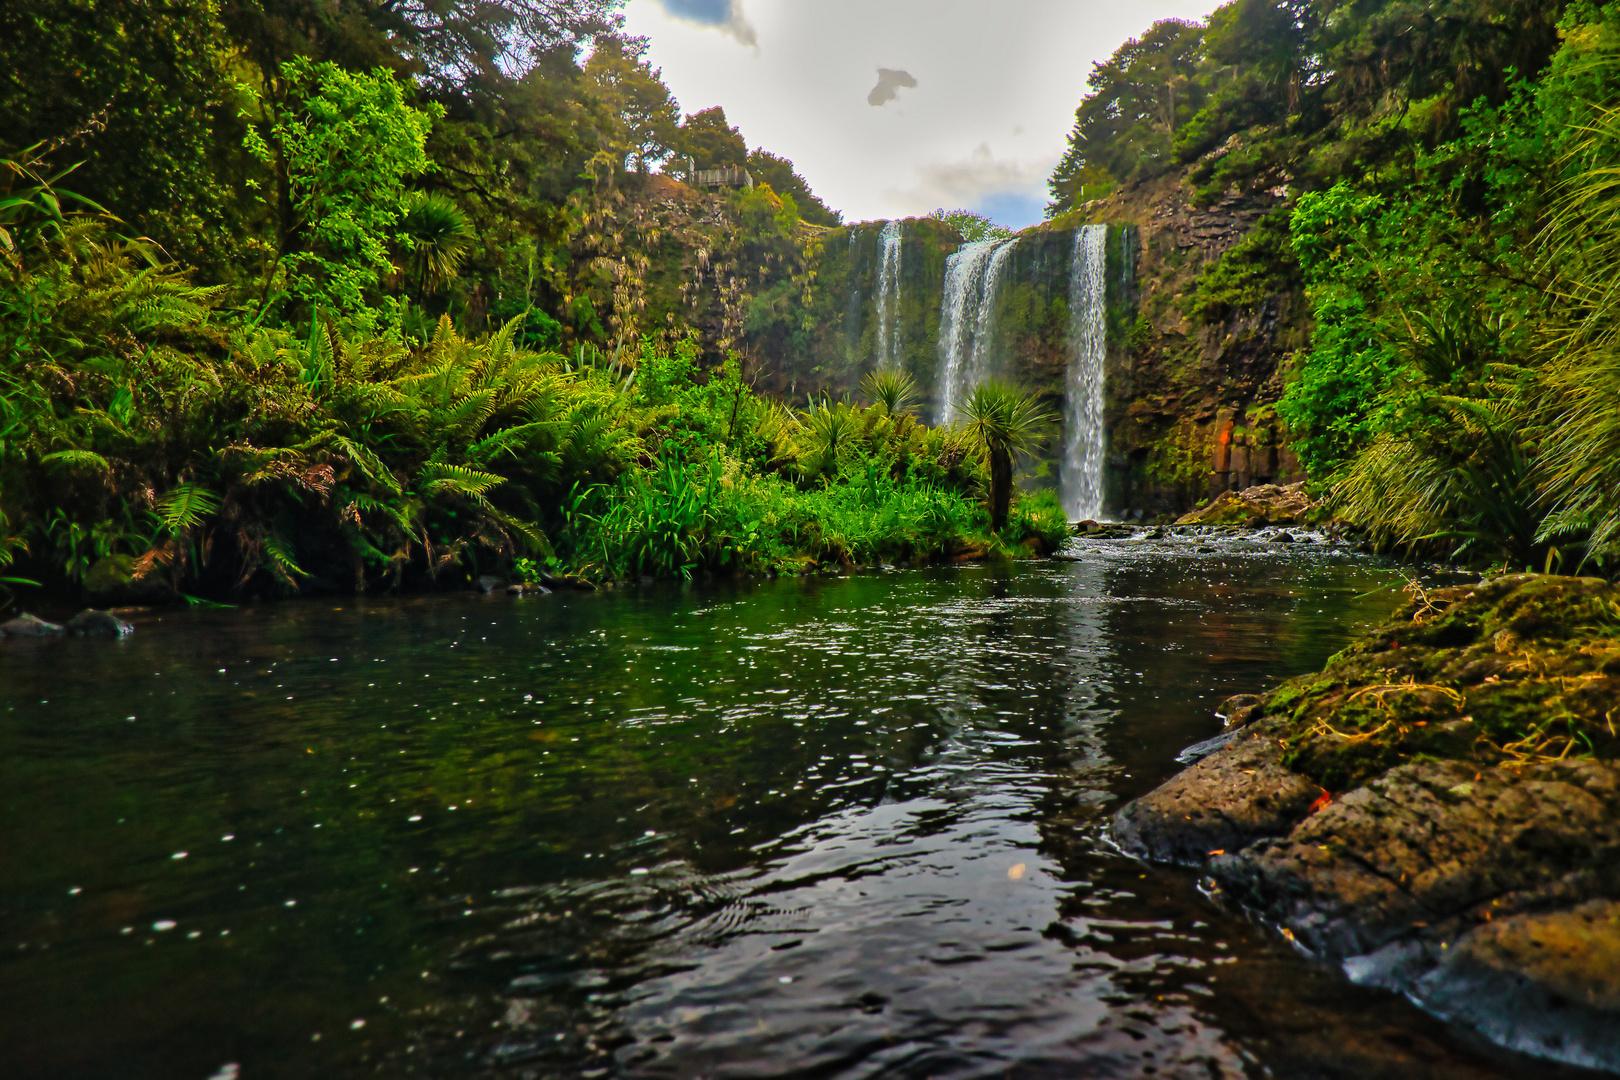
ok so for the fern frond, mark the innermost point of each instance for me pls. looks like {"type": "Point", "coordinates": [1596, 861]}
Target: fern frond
{"type": "Point", "coordinates": [77, 459]}
{"type": "Point", "coordinates": [186, 506]}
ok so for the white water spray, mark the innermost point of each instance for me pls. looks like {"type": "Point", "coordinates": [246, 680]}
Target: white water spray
{"type": "Point", "coordinates": [888, 296]}
{"type": "Point", "coordinates": [967, 321]}
{"type": "Point", "coordinates": [1084, 437]}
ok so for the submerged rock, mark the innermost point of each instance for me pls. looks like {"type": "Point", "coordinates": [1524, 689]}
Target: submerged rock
{"type": "Point", "coordinates": [1470, 858]}
{"type": "Point", "coordinates": [1255, 507]}
{"type": "Point", "coordinates": [91, 622]}
{"type": "Point", "coordinates": [26, 625]}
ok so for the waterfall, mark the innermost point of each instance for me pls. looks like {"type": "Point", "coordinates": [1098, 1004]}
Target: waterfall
{"type": "Point", "coordinates": [1084, 438]}
{"type": "Point", "coordinates": [967, 321]}
{"type": "Point", "coordinates": [888, 297]}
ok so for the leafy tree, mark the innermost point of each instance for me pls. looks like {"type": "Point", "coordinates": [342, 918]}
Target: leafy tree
{"type": "Point", "coordinates": [341, 148]}
{"type": "Point", "coordinates": [778, 172]}
{"type": "Point", "coordinates": [973, 227]}
{"type": "Point", "coordinates": [1139, 97]}
{"type": "Point", "coordinates": [712, 143]}
{"type": "Point", "coordinates": [648, 128]}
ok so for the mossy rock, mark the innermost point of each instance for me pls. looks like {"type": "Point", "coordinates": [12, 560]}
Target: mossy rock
{"type": "Point", "coordinates": [113, 579]}
{"type": "Point", "coordinates": [1519, 667]}
{"type": "Point", "coordinates": [1255, 507]}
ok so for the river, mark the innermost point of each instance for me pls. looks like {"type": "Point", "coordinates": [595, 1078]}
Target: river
{"type": "Point", "coordinates": [832, 827]}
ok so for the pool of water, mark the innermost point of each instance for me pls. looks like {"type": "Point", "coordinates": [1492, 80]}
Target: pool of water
{"type": "Point", "coordinates": [831, 827]}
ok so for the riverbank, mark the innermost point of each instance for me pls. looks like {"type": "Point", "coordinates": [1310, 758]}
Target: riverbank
{"type": "Point", "coordinates": [1437, 811]}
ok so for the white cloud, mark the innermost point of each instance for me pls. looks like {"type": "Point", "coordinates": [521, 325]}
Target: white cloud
{"type": "Point", "coordinates": [1009, 190]}
{"type": "Point", "coordinates": [997, 85]}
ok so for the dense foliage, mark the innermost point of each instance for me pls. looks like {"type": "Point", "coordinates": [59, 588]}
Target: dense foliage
{"type": "Point", "coordinates": [363, 295]}
{"type": "Point", "coordinates": [1441, 177]}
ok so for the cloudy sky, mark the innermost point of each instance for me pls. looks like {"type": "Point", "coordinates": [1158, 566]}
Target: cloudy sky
{"type": "Point", "coordinates": [891, 108]}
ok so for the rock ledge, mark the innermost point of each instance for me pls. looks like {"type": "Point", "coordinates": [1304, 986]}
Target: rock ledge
{"type": "Point", "coordinates": [1469, 855]}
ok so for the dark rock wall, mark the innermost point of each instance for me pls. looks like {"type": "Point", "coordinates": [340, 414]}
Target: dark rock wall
{"type": "Point", "coordinates": [1192, 402]}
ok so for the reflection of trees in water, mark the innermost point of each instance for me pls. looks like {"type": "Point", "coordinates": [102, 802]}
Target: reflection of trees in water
{"type": "Point", "coordinates": [1027, 668]}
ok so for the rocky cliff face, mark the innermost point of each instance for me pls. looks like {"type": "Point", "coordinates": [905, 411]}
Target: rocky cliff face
{"type": "Point", "coordinates": [822, 339]}
{"type": "Point", "coordinates": [1192, 392]}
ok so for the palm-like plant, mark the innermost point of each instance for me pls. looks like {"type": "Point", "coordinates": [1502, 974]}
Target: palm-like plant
{"type": "Point", "coordinates": [1469, 478]}
{"type": "Point", "coordinates": [826, 431]}
{"type": "Point", "coordinates": [1581, 448]}
{"type": "Point", "coordinates": [440, 237]}
{"type": "Point", "coordinates": [896, 391]}
{"type": "Point", "coordinates": [1004, 421]}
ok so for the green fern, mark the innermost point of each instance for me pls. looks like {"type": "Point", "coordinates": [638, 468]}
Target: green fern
{"type": "Point", "coordinates": [185, 507]}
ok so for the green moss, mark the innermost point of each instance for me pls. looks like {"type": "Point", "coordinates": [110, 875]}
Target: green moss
{"type": "Point", "coordinates": [1515, 668]}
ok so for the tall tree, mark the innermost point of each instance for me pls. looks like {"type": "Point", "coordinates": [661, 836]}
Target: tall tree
{"type": "Point", "coordinates": [648, 127]}
{"type": "Point", "coordinates": [779, 173]}
{"type": "Point", "coordinates": [341, 148]}
{"type": "Point", "coordinates": [712, 143]}
{"type": "Point", "coordinates": [1139, 98]}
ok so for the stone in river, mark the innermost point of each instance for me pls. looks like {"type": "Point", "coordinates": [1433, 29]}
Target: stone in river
{"type": "Point", "coordinates": [26, 625]}
{"type": "Point", "coordinates": [488, 583]}
{"type": "Point", "coordinates": [91, 622]}
{"type": "Point", "coordinates": [1478, 877]}
{"type": "Point", "coordinates": [1225, 802]}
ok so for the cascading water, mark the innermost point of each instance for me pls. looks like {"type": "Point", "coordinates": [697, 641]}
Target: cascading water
{"type": "Point", "coordinates": [967, 321]}
{"type": "Point", "coordinates": [888, 296]}
{"type": "Point", "coordinates": [1084, 443]}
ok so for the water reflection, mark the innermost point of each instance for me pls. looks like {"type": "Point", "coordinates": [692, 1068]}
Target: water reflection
{"type": "Point", "coordinates": [832, 828]}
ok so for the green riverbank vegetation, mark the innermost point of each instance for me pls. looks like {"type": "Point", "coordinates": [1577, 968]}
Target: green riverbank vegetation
{"type": "Point", "coordinates": [302, 298]}
{"type": "Point", "coordinates": [1436, 186]}
{"type": "Point", "coordinates": [152, 444]}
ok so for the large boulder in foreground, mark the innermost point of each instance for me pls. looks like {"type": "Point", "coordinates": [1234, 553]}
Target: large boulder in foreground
{"type": "Point", "coordinates": [1463, 844]}
{"type": "Point", "coordinates": [1263, 504]}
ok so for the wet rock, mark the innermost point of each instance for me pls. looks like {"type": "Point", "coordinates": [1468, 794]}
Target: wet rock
{"type": "Point", "coordinates": [1200, 750]}
{"type": "Point", "coordinates": [1254, 507]}
{"type": "Point", "coordinates": [1109, 532]}
{"type": "Point", "coordinates": [514, 590]}
{"type": "Point", "coordinates": [1544, 983]}
{"type": "Point", "coordinates": [1487, 896]}
{"type": "Point", "coordinates": [26, 625]}
{"type": "Point", "coordinates": [1470, 856]}
{"type": "Point", "coordinates": [1284, 537]}
{"type": "Point", "coordinates": [488, 583]}
{"type": "Point", "coordinates": [91, 623]}
{"type": "Point", "coordinates": [1239, 710]}
{"type": "Point", "coordinates": [1225, 802]}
